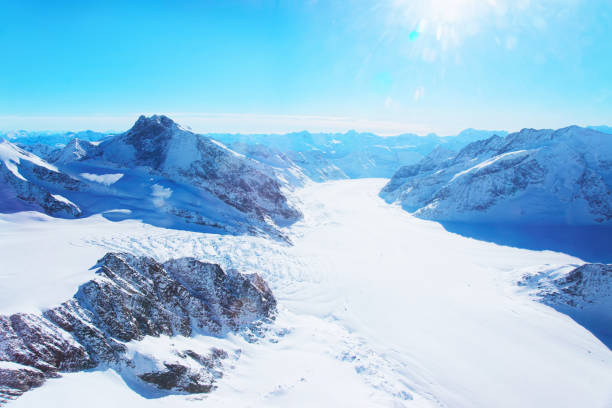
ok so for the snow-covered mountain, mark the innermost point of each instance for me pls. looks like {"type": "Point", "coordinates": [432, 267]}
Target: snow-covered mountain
{"type": "Point", "coordinates": [554, 177]}
{"type": "Point", "coordinates": [331, 156]}
{"type": "Point", "coordinates": [375, 308]}
{"type": "Point", "coordinates": [156, 171]}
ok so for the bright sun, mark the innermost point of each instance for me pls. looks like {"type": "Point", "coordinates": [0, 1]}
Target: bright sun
{"type": "Point", "coordinates": [446, 19]}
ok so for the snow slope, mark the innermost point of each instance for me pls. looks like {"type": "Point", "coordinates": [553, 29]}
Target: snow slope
{"type": "Point", "coordinates": [25, 180]}
{"type": "Point", "coordinates": [376, 308]}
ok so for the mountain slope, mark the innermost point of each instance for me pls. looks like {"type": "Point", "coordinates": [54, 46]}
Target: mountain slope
{"type": "Point", "coordinates": [24, 182]}
{"type": "Point", "coordinates": [163, 146]}
{"type": "Point", "coordinates": [561, 177]}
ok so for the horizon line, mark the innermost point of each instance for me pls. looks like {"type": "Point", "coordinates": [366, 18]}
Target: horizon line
{"type": "Point", "coordinates": [238, 123]}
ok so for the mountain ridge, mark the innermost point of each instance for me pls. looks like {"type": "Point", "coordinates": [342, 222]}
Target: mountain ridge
{"type": "Point", "coordinates": [561, 176]}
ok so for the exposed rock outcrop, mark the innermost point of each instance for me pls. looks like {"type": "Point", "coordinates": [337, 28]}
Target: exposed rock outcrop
{"type": "Point", "coordinates": [584, 293]}
{"type": "Point", "coordinates": [131, 298]}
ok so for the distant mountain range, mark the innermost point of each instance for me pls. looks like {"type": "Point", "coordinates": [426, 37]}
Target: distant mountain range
{"type": "Point", "coordinates": [55, 139]}
{"type": "Point", "coordinates": [320, 156]}
{"type": "Point", "coordinates": [329, 156]}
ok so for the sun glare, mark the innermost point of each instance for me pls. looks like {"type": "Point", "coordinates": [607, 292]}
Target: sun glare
{"type": "Point", "coordinates": [446, 20]}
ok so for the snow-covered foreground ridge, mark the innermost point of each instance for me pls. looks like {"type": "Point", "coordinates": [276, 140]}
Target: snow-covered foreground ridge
{"type": "Point", "coordinates": [375, 308]}
{"type": "Point", "coordinates": [131, 298]}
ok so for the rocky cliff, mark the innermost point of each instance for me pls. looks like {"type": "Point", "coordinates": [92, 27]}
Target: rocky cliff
{"type": "Point", "coordinates": [131, 298]}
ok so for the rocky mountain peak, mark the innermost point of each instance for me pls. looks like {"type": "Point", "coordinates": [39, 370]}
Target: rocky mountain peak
{"type": "Point", "coordinates": [149, 137]}
{"type": "Point", "coordinates": [154, 122]}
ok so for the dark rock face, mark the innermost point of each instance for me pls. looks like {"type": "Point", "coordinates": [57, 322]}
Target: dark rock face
{"type": "Point", "coordinates": [16, 379]}
{"type": "Point", "coordinates": [132, 298]}
{"type": "Point", "coordinates": [34, 341]}
{"type": "Point", "coordinates": [586, 285]}
{"type": "Point", "coordinates": [584, 294]}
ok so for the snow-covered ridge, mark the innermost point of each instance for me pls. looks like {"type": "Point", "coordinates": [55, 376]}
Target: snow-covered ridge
{"type": "Point", "coordinates": [129, 299]}
{"type": "Point", "coordinates": [11, 156]}
{"type": "Point", "coordinates": [555, 177]}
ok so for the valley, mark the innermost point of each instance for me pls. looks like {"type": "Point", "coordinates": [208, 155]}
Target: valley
{"type": "Point", "coordinates": [375, 308]}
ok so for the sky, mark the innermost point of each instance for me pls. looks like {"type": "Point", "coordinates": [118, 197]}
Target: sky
{"type": "Point", "coordinates": [386, 66]}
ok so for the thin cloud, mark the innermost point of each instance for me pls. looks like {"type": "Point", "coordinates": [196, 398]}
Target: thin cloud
{"type": "Point", "coordinates": [217, 123]}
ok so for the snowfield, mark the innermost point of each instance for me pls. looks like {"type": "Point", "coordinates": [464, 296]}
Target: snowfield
{"type": "Point", "coordinates": [377, 308]}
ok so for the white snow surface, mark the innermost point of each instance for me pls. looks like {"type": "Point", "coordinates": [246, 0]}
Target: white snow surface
{"type": "Point", "coordinates": [105, 179]}
{"type": "Point", "coordinates": [12, 155]}
{"type": "Point", "coordinates": [488, 162]}
{"type": "Point", "coordinates": [64, 200]}
{"type": "Point", "coordinates": [377, 308]}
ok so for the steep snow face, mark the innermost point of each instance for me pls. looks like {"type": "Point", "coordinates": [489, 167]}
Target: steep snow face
{"type": "Point", "coordinates": [29, 183]}
{"type": "Point", "coordinates": [561, 177]}
{"type": "Point", "coordinates": [75, 150]}
{"type": "Point", "coordinates": [284, 167]}
{"type": "Point", "coordinates": [11, 156]}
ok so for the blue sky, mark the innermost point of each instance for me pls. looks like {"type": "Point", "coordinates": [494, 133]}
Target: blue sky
{"type": "Point", "coordinates": [387, 66]}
